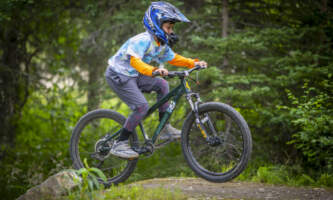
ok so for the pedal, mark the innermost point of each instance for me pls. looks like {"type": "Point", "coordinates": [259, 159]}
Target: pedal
{"type": "Point", "coordinates": [147, 148]}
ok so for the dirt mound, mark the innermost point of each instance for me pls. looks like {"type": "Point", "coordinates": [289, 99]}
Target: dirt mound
{"type": "Point", "coordinates": [199, 188]}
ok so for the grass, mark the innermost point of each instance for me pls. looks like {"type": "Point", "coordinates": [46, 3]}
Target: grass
{"type": "Point", "coordinates": [129, 192]}
{"type": "Point", "coordinates": [285, 175]}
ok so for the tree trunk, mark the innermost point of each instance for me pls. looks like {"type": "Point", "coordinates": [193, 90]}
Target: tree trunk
{"type": "Point", "coordinates": [225, 22]}
{"type": "Point", "coordinates": [14, 84]}
{"type": "Point", "coordinates": [323, 6]}
{"type": "Point", "coordinates": [93, 88]}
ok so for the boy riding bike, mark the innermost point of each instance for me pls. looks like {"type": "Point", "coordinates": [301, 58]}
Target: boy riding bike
{"type": "Point", "coordinates": [129, 73]}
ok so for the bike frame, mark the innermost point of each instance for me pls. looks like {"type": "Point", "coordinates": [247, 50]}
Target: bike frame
{"type": "Point", "coordinates": [175, 94]}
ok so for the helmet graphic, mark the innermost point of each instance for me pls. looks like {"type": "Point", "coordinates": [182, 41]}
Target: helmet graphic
{"type": "Point", "coordinates": [158, 13]}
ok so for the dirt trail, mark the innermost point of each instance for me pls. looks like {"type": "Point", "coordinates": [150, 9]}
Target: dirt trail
{"type": "Point", "coordinates": [201, 189]}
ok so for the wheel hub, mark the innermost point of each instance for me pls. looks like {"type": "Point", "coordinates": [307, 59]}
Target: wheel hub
{"type": "Point", "coordinates": [214, 141]}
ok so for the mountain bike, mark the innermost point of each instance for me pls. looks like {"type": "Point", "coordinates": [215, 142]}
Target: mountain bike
{"type": "Point", "coordinates": [216, 140]}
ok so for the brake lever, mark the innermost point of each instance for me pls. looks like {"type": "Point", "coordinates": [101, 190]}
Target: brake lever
{"type": "Point", "coordinates": [155, 73]}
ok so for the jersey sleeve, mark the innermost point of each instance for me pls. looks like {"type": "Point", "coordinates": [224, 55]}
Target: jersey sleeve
{"type": "Point", "coordinates": [141, 66]}
{"type": "Point", "coordinates": [181, 61]}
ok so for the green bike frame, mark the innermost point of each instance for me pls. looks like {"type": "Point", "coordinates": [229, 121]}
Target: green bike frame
{"type": "Point", "coordinates": [176, 93]}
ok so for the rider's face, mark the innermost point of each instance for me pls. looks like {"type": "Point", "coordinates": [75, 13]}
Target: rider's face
{"type": "Point", "coordinates": [168, 27]}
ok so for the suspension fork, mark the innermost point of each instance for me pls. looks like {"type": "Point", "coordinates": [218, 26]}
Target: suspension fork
{"type": "Point", "coordinates": [200, 122]}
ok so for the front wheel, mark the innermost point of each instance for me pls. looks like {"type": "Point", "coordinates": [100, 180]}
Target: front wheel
{"type": "Point", "coordinates": [225, 159]}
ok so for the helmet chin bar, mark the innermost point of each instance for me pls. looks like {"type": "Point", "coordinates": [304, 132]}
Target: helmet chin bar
{"type": "Point", "coordinates": [172, 39]}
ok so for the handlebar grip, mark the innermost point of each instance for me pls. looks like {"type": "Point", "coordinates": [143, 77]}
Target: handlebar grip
{"type": "Point", "coordinates": [198, 67]}
{"type": "Point", "coordinates": [155, 73]}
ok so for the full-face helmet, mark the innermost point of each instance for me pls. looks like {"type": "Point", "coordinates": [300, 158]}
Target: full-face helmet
{"type": "Point", "coordinates": [159, 13]}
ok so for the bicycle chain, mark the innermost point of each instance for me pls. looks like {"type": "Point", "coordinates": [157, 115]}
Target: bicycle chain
{"type": "Point", "coordinates": [158, 146]}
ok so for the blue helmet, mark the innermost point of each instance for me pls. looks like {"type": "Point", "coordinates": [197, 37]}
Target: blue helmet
{"type": "Point", "coordinates": [158, 13]}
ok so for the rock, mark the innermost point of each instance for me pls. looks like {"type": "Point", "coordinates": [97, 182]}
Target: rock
{"type": "Point", "coordinates": [190, 188]}
{"type": "Point", "coordinates": [55, 186]}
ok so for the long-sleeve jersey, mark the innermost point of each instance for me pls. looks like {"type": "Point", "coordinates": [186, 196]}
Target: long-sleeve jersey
{"type": "Point", "coordinates": [136, 53]}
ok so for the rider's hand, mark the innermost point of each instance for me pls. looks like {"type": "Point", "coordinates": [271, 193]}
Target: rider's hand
{"type": "Point", "coordinates": [202, 64]}
{"type": "Point", "coordinates": [162, 71]}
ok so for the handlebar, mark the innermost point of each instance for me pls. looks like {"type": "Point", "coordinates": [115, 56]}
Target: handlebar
{"type": "Point", "coordinates": [180, 74]}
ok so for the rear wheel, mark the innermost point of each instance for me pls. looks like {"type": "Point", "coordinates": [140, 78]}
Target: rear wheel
{"type": "Point", "coordinates": [87, 142]}
{"type": "Point", "coordinates": [226, 155]}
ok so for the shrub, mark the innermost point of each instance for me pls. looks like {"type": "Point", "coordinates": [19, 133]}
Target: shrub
{"type": "Point", "coordinates": [312, 117]}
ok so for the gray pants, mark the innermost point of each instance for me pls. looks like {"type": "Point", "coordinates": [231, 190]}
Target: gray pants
{"type": "Point", "coordinates": [130, 90]}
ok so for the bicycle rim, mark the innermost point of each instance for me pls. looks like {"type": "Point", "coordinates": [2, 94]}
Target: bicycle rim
{"type": "Point", "coordinates": [89, 133]}
{"type": "Point", "coordinates": [222, 159]}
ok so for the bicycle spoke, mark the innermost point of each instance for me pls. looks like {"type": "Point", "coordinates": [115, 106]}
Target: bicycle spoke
{"type": "Point", "coordinates": [222, 157]}
{"type": "Point", "coordinates": [100, 164]}
{"type": "Point", "coordinates": [108, 168]}
{"type": "Point", "coordinates": [93, 146]}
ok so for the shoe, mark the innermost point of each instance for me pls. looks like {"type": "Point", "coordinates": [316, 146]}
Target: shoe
{"type": "Point", "coordinates": [169, 132]}
{"type": "Point", "coordinates": [123, 150]}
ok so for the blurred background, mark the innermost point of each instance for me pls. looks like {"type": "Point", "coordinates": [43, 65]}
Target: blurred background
{"type": "Point", "coordinates": [270, 59]}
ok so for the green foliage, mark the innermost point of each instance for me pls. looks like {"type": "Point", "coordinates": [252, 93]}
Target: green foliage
{"type": "Point", "coordinates": [135, 192]}
{"type": "Point", "coordinates": [88, 180]}
{"type": "Point", "coordinates": [42, 143]}
{"type": "Point", "coordinates": [89, 187]}
{"type": "Point", "coordinates": [138, 192]}
{"type": "Point", "coordinates": [326, 180]}
{"type": "Point", "coordinates": [272, 175]}
{"type": "Point", "coordinates": [263, 63]}
{"type": "Point", "coordinates": [313, 116]}
{"type": "Point", "coordinates": [294, 175]}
